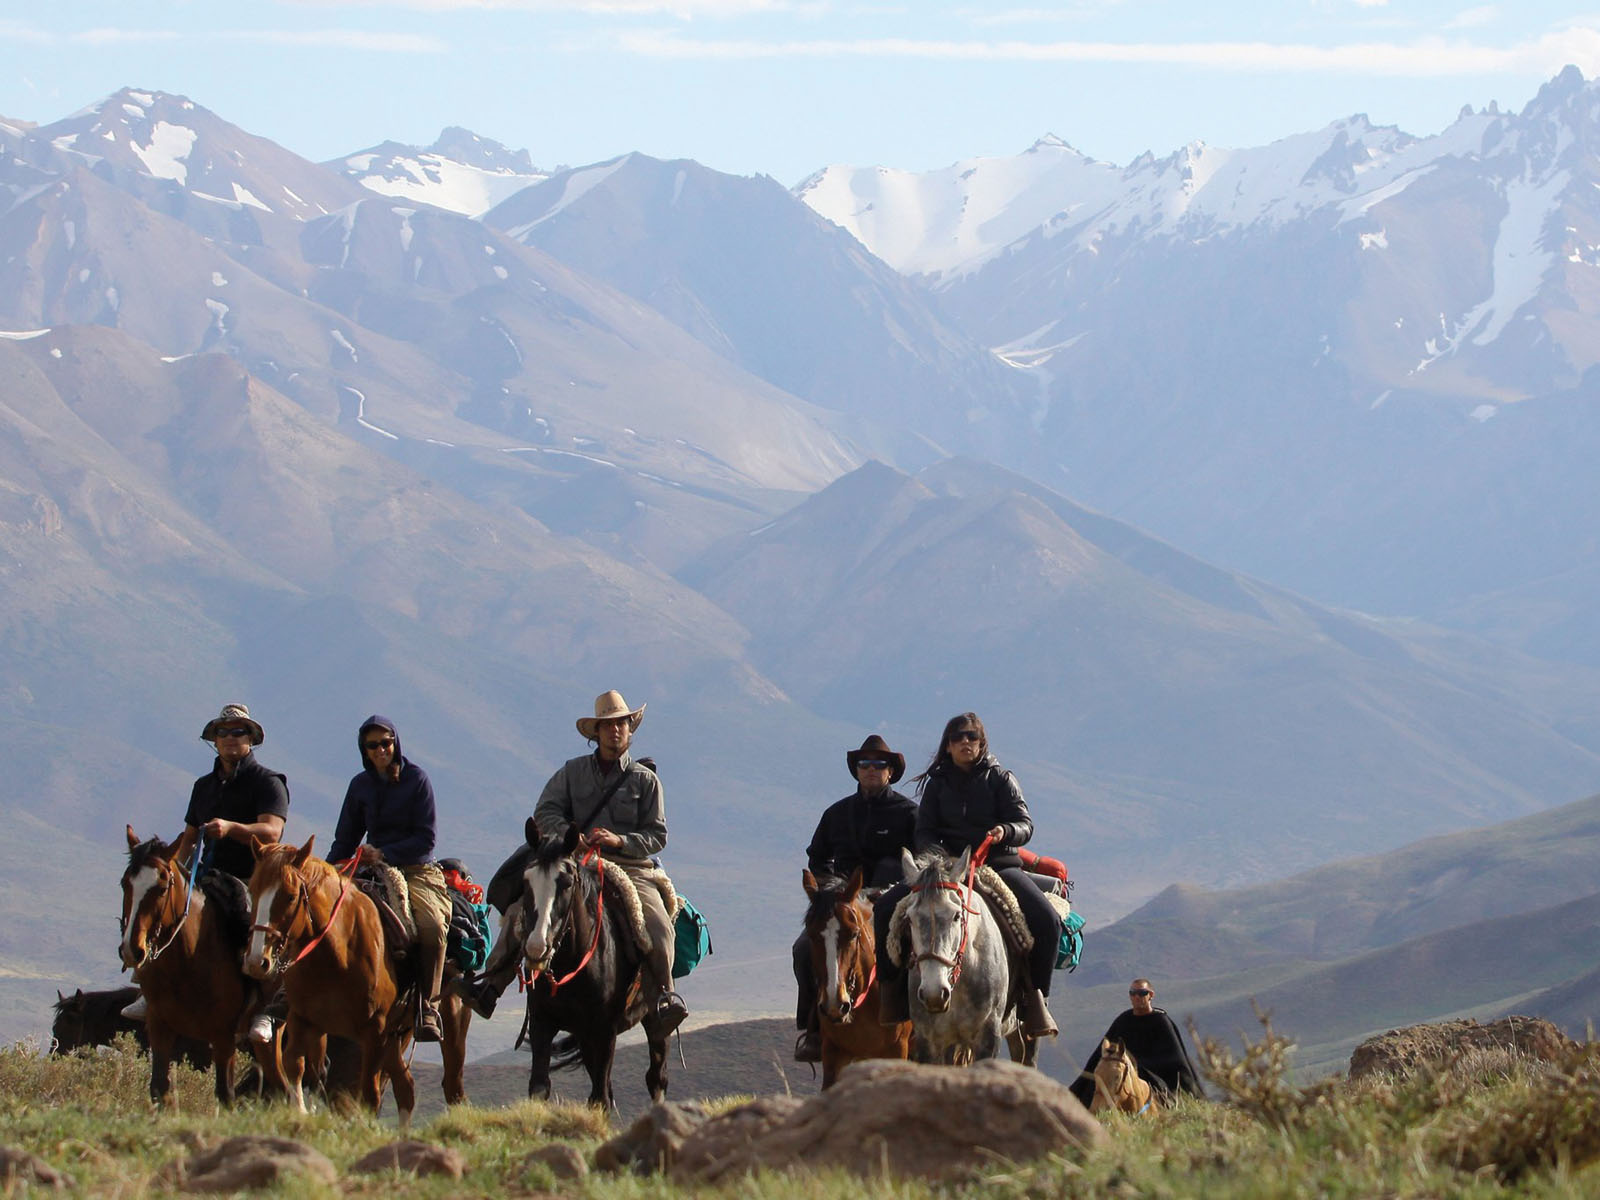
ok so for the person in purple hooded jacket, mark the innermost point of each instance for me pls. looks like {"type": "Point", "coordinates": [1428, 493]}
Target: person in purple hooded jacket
{"type": "Point", "coordinates": [390, 804]}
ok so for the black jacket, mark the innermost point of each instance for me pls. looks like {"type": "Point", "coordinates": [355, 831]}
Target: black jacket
{"type": "Point", "coordinates": [866, 833]}
{"type": "Point", "coordinates": [251, 791]}
{"type": "Point", "coordinates": [1156, 1045]}
{"type": "Point", "coordinates": [959, 807]}
{"type": "Point", "coordinates": [397, 818]}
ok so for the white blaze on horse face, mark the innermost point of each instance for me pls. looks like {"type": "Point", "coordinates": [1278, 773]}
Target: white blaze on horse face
{"type": "Point", "coordinates": [256, 956]}
{"type": "Point", "coordinates": [140, 886]}
{"type": "Point", "coordinates": [830, 955]}
{"type": "Point", "coordinates": [541, 883]}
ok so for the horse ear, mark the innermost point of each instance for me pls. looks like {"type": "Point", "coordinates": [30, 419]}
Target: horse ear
{"type": "Point", "coordinates": [258, 846]}
{"type": "Point", "coordinates": [133, 838]}
{"type": "Point", "coordinates": [854, 886]}
{"type": "Point", "coordinates": [962, 863]}
{"type": "Point", "coordinates": [1106, 1047]}
{"type": "Point", "coordinates": [908, 865]}
{"type": "Point", "coordinates": [304, 853]}
{"type": "Point", "coordinates": [60, 999]}
{"type": "Point", "coordinates": [809, 882]}
{"type": "Point", "coordinates": [530, 832]}
{"type": "Point", "coordinates": [570, 842]}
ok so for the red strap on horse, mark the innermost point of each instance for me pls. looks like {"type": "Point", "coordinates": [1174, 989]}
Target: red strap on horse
{"type": "Point", "coordinates": [456, 881]}
{"type": "Point", "coordinates": [872, 977]}
{"type": "Point", "coordinates": [353, 862]}
{"type": "Point", "coordinates": [599, 918]}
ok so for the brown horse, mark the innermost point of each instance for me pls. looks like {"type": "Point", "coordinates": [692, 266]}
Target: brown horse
{"type": "Point", "coordinates": [844, 961]}
{"type": "Point", "coordinates": [185, 951]}
{"type": "Point", "coordinates": [1117, 1084]}
{"type": "Point", "coordinates": [319, 934]}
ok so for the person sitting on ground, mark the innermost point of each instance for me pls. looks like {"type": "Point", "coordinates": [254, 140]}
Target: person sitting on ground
{"type": "Point", "coordinates": [615, 801]}
{"type": "Point", "coordinates": [1150, 1036]}
{"type": "Point", "coordinates": [865, 831]}
{"type": "Point", "coordinates": [390, 804]}
{"type": "Point", "coordinates": [238, 799]}
{"type": "Point", "coordinates": [967, 796]}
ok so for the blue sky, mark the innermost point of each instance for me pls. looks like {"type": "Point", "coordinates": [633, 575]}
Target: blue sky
{"type": "Point", "coordinates": [783, 87]}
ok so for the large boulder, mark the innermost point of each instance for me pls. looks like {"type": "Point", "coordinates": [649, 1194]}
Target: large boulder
{"type": "Point", "coordinates": [897, 1117]}
{"type": "Point", "coordinates": [651, 1143]}
{"type": "Point", "coordinates": [1401, 1052]}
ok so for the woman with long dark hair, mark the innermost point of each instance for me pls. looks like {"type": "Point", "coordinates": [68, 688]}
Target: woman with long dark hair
{"type": "Point", "coordinates": [967, 796]}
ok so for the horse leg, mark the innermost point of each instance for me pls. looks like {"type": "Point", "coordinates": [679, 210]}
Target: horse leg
{"type": "Point", "coordinates": [834, 1060]}
{"type": "Point", "coordinates": [298, 1036]}
{"type": "Point", "coordinates": [405, 1088]}
{"type": "Point", "coordinates": [162, 1042]}
{"type": "Point", "coordinates": [598, 1051]}
{"type": "Point", "coordinates": [455, 1016]}
{"type": "Point", "coordinates": [222, 1052]}
{"type": "Point", "coordinates": [540, 1037]}
{"type": "Point", "coordinates": [655, 1076]}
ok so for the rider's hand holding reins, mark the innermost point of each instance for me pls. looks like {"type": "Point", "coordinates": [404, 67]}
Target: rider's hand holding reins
{"type": "Point", "coordinates": [602, 839]}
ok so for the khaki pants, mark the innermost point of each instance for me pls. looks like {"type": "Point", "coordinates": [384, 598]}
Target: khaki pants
{"type": "Point", "coordinates": [430, 909]}
{"type": "Point", "coordinates": [663, 940]}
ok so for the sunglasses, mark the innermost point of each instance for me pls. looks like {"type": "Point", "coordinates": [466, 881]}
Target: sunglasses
{"type": "Point", "coordinates": [383, 744]}
{"type": "Point", "coordinates": [871, 762]}
{"type": "Point", "coordinates": [966, 735]}
{"type": "Point", "coordinates": [234, 731]}
{"type": "Point", "coordinates": [1140, 992]}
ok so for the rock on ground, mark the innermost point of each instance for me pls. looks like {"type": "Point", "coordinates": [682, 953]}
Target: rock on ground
{"type": "Point", "coordinates": [252, 1161]}
{"type": "Point", "coordinates": [563, 1161]}
{"type": "Point", "coordinates": [882, 1116]}
{"type": "Point", "coordinates": [1424, 1047]}
{"type": "Point", "coordinates": [417, 1158]}
{"type": "Point", "coordinates": [18, 1168]}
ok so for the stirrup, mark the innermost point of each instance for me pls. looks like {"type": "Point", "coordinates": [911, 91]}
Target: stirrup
{"type": "Point", "coordinates": [808, 1047]}
{"type": "Point", "coordinates": [666, 1014]}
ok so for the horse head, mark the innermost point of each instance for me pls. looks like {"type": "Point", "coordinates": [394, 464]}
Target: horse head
{"type": "Point", "coordinates": [1116, 1079]}
{"type": "Point", "coordinates": [549, 884]}
{"type": "Point", "coordinates": [941, 913]}
{"type": "Point", "coordinates": [280, 904]}
{"type": "Point", "coordinates": [153, 897]}
{"type": "Point", "coordinates": [839, 930]}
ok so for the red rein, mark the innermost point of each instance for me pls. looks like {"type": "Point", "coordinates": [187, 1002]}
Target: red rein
{"type": "Point", "coordinates": [354, 861]}
{"type": "Point", "coordinates": [599, 919]}
{"type": "Point", "coordinates": [979, 856]}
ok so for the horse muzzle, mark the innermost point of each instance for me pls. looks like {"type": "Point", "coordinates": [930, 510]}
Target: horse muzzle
{"type": "Point", "coordinates": [936, 999]}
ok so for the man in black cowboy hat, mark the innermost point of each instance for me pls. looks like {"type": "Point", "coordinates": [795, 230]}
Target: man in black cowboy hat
{"type": "Point", "coordinates": [236, 800]}
{"type": "Point", "coordinates": [867, 830]}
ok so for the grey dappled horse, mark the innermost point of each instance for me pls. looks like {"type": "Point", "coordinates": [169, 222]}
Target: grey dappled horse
{"type": "Point", "coordinates": [957, 968]}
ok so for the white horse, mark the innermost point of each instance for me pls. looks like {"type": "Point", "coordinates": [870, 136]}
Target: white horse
{"type": "Point", "coordinates": [957, 967]}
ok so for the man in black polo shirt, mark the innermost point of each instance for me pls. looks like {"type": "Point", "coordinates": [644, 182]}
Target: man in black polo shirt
{"type": "Point", "coordinates": [236, 800]}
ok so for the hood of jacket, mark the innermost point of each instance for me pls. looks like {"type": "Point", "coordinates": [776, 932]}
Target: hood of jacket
{"type": "Point", "coordinates": [377, 722]}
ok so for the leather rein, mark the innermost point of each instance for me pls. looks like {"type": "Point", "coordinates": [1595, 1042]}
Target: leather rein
{"type": "Point", "coordinates": [303, 901]}
{"type": "Point", "coordinates": [527, 978]}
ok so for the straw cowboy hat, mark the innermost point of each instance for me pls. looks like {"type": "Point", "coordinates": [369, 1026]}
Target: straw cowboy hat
{"type": "Point", "coordinates": [608, 706]}
{"type": "Point", "coordinates": [876, 747]}
{"type": "Point", "coordinates": [233, 714]}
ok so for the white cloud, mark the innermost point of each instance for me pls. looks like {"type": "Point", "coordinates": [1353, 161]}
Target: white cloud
{"type": "Point", "coordinates": [1472, 18]}
{"type": "Point", "coordinates": [1425, 57]}
{"type": "Point", "coordinates": [683, 9]}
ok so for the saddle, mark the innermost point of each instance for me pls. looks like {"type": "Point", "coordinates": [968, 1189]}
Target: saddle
{"type": "Point", "coordinates": [386, 888]}
{"type": "Point", "coordinates": [231, 899]}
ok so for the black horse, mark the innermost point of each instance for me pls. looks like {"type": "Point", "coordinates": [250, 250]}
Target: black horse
{"type": "Point", "coordinates": [88, 1019]}
{"type": "Point", "coordinates": [584, 970]}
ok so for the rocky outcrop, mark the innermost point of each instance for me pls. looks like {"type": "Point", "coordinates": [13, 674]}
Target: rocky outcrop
{"type": "Point", "coordinates": [881, 1117]}
{"type": "Point", "coordinates": [1433, 1047]}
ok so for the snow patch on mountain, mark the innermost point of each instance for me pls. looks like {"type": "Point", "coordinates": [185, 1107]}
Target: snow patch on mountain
{"type": "Point", "coordinates": [167, 153]}
{"type": "Point", "coordinates": [574, 186]}
{"type": "Point", "coordinates": [461, 172]}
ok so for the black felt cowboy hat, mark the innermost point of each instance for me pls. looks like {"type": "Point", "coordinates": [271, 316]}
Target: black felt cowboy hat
{"type": "Point", "coordinates": [876, 747]}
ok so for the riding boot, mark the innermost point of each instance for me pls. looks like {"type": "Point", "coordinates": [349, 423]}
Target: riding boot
{"type": "Point", "coordinates": [1036, 1019]}
{"type": "Point", "coordinates": [665, 1015]}
{"type": "Point", "coordinates": [136, 1009]}
{"type": "Point", "coordinates": [428, 1028]}
{"type": "Point", "coordinates": [808, 1046]}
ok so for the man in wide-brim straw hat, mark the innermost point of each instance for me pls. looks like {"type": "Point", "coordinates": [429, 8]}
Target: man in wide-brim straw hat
{"type": "Point", "coordinates": [865, 831]}
{"type": "Point", "coordinates": [616, 803]}
{"type": "Point", "coordinates": [238, 799]}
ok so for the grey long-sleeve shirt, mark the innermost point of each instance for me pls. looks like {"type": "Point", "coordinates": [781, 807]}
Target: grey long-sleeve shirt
{"type": "Point", "coordinates": [634, 812]}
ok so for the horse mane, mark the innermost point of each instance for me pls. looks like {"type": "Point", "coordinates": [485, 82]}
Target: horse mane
{"type": "Point", "coordinates": [934, 866]}
{"type": "Point", "coordinates": [141, 854]}
{"type": "Point", "coordinates": [830, 891]}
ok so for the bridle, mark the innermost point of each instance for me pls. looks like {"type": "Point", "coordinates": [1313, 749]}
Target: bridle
{"type": "Point", "coordinates": [151, 954]}
{"type": "Point", "coordinates": [276, 936]}
{"type": "Point", "coordinates": [966, 897]}
{"type": "Point", "coordinates": [526, 978]}
{"type": "Point", "coordinates": [872, 974]}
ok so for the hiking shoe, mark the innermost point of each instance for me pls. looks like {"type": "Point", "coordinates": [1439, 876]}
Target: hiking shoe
{"type": "Point", "coordinates": [479, 998]}
{"type": "Point", "coordinates": [428, 1027]}
{"type": "Point", "coordinates": [808, 1047]}
{"type": "Point", "coordinates": [667, 1014]}
{"type": "Point", "coordinates": [261, 1030]}
{"type": "Point", "coordinates": [137, 1010]}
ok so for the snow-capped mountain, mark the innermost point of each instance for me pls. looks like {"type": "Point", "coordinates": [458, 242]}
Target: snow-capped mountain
{"type": "Point", "coordinates": [461, 171]}
{"type": "Point", "coordinates": [1369, 352]}
{"type": "Point", "coordinates": [753, 273]}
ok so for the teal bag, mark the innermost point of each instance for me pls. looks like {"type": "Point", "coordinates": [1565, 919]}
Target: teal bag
{"type": "Point", "coordinates": [691, 938]}
{"type": "Point", "coordinates": [1071, 948]}
{"type": "Point", "coordinates": [470, 935]}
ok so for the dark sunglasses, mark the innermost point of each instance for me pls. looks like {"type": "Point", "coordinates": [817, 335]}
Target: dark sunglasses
{"type": "Point", "coordinates": [1140, 992]}
{"type": "Point", "coordinates": [382, 744]}
{"type": "Point", "coordinates": [871, 762]}
{"type": "Point", "coordinates": [234, 731]}
{"type": "Point", "coordinates": [966, 735]}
